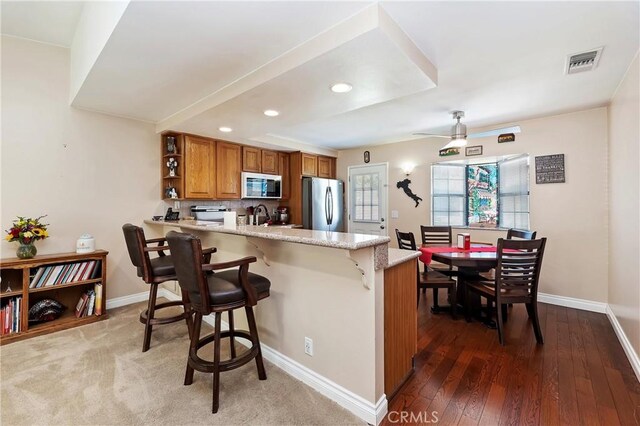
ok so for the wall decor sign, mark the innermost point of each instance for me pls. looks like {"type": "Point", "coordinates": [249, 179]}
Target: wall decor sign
{"type": "Point", "coordinates": [367, 157]}
{"type": "Point", "coordinates": [404, 184]}
{"type": "Point", "coordinates": [550, 169]}
{"type": "Point", "coordinates": [506, 137]}
{"type": "Point", "coordinates": [449, 151]}
{"type": "Point", "coordinates": [473, 150]}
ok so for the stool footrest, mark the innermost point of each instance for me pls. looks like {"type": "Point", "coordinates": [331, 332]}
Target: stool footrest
{"type": "Point", "coordinates": [203, 365]}
{"type": "Point", "coordinates": [164, 320]}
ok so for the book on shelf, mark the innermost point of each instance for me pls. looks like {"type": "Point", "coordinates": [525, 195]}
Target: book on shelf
{"type": "Point", "coordinates": [54, 275]}
{"type": "Point", "coordinates": [84, 307]}
{"type": "Point", "coordinates": [98, 290]}
{"type": "Point", "coordinates": [97, 271]}
{"type": "Point", "coordinates": [45, 276]}
{"type": "Point", "coordinates": [82, 303]}
{"type": "Point", "coordinates": [10, 316]}
{"type": "Point", "coordinates": [73, 273]}
{"type": "Point", "coordinates": [36, 277]}
{"type": "Point", "coordinates": [91, 303]}
{"type": "Point", "coordinates": [65, 277]}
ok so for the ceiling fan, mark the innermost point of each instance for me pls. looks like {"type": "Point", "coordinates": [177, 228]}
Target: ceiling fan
{"type": "Point", "coordinates": [459, 132]}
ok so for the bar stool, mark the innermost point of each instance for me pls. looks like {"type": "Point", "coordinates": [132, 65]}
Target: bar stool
{"type": "Point", "coordinates": [155, 271]}
{"type": "Point", "coordinates": [217, 293]}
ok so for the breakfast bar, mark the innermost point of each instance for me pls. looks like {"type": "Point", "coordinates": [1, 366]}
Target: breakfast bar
{"type": "Point", "coordinates": [328, 287]}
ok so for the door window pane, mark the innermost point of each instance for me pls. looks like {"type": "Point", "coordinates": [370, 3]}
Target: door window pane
{"type": "Point", "coordinates": [367, 197]}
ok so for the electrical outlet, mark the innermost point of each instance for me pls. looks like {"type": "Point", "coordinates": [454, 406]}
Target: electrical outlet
{"type": "Point", "coordinates": [308, 346]}
{"type": "Point", "coordinates": [394, 214]}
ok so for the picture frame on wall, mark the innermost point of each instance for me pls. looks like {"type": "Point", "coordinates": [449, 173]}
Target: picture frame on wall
{"type": "Point", "coordinates": [473, 150]}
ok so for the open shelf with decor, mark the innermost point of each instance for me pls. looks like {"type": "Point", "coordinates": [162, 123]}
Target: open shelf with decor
{"type": "Point", "coordinates": [75, 281]}
{"type": "Point", "coordinates": [172, 167]}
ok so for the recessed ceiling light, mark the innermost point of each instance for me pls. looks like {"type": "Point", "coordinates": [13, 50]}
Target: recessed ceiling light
{"type": "Point", "coordinates": [271, 113]}
{"type": "Point", "coordinates": [225, 129]}
{"type": "Point", "coordinates": [341, 88]}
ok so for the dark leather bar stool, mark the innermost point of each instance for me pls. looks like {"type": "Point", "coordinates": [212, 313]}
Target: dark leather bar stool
{"type": "Point", "coordinates": [217, 293]}
{"type": "Point", "coordinates": [154, 271]}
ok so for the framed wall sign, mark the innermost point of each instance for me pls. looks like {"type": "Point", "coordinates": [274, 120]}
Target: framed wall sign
{"type": "Point", "coordinates": [449, 151]}
{"type": "Point", "coordinates": [550, 169]}
{"type": "Point", "coordinates": [506, 137]}
{"type": "Point", "coordinates": [473, 150]}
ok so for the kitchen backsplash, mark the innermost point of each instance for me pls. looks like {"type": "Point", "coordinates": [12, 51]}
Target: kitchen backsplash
{"type": "Point", "coordinates": [239, 206]}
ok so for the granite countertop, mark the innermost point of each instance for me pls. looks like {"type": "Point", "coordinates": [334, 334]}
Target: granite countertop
{"type": "Point", "coordinates": [340, 240]}
{"type": "Point", "coordinates": [398, 256]}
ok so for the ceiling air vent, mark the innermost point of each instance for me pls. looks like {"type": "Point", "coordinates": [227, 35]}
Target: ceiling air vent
{"type": "Point", "coordinates": [585, 61]}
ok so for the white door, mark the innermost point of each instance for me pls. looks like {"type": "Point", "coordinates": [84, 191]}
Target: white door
{"type": "Point", "coordinates": [368, 199]}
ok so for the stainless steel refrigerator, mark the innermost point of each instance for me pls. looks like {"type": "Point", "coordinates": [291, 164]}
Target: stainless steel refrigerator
{"type": "Point", "coordinates": [322, 204]}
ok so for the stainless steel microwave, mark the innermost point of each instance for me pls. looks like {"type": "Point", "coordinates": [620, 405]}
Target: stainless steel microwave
{"type": "Point", "coordinates": [257, 185]}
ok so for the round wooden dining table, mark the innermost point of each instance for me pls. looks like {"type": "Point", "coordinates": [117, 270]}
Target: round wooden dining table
{"type": "Point", "coordinates": [469, 263]}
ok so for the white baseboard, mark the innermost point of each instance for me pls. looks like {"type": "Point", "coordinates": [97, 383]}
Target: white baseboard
{"type": "Point", "coordinates": [633, 357]}
{"type": "Point", "coordinates": [367, 411]}
{"type": "Point", "coordinates": [128, 300]}
{"type": "Point", "coordinates": [572, 302]}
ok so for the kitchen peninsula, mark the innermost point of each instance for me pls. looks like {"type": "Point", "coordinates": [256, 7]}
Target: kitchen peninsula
{"type": "Point", "coordinates": [335, 289]}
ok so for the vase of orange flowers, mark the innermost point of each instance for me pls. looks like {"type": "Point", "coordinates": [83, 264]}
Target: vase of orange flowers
{"type": "Point", "coordinates": [26, 231]}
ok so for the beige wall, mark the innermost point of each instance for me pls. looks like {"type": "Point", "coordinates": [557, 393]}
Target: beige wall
{"type": "Point", "coordinates": [624, 205]}
{"type": "Point", "coordinates": [88, 172]}
{"type": "Point", "coordinates": [572, 215]}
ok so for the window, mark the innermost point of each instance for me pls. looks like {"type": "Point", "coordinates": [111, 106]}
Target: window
{"type": "Point", "coordinates": [367, 197]}
{"type": "Point", "coordinates": [493, 194]}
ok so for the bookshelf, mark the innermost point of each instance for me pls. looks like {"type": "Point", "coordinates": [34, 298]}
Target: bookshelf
{"type": "Point", "coordinates": [76, 275]}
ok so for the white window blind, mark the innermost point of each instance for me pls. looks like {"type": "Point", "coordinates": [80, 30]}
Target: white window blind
{"type": "Point", "coordinates": [513, 190]}
{"type": "Point", "coordinates": [448, 189]}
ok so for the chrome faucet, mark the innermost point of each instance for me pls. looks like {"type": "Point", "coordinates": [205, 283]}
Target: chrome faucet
{"type": "Point", "coordinates": [257, 208]}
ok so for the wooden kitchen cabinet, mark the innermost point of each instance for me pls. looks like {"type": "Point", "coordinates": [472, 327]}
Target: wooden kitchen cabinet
{"type": "Point", "coordinates": [326, 168]}
{"type": "Point", "coordinates": [229, 165]}
{"type": "Point", "coordinates": [269, 162]}
{"type": "Point", "coordinates": [309, 164]}
{"type": "Point", "coordinates": [199, 168]}
{"type": "Point", "coordinates": [284, 171]}
{"type": "Point", "coordinates": [251, 159]}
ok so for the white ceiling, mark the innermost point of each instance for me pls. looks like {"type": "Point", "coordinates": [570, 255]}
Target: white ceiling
{"type": "Point", "coordinates": [498, 61]}
{"type": "Point", "coordinates": [52, 22]}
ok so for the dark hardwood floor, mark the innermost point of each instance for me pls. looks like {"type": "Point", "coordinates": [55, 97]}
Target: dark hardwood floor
{"type": "Point", "coordinates": [580, 376]}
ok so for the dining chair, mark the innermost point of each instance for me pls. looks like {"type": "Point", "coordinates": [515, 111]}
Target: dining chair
{"type": "Point", "coordinates": [516, 281]}
{"type": "Point", "coordinates": [522, 234]}
{"type": "Point", "coordinates": [429, 278]}
{"type": "Point", "coordinates": [215, 294]}
{"type": "Point", "coordinates": [437, 236]}
{"type": "Point", "coordinates": [155, 271]}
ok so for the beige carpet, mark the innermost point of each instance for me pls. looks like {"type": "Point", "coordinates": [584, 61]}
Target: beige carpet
{"type": "Point", "coordinates": [97, 374]}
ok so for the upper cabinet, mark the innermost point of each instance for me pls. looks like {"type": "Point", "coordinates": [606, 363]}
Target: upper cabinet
{"type": "Point", "coordinates": [309, 164]}
{"type": "Point", "coordinates": [251, 159]}
{"type": "Point", "coordinates": [269, 162]}
{"type": "Point", "coordinates": [326, 167]}
{"type": "Point", "coordinates": [199, 168]}
{"type": "Point", "coordinates": [284, 171]}
{"type": "Point", "coordinates": [258, 160]}
{"type": "Point", "coordinates": [229, 165]}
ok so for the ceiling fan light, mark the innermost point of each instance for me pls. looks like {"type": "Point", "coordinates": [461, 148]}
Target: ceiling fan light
{"type": "Point", "coordinates": [455, 143]}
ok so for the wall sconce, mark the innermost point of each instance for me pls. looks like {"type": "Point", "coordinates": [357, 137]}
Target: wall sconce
{"type": "Point", "coordinates": [407, 168]}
